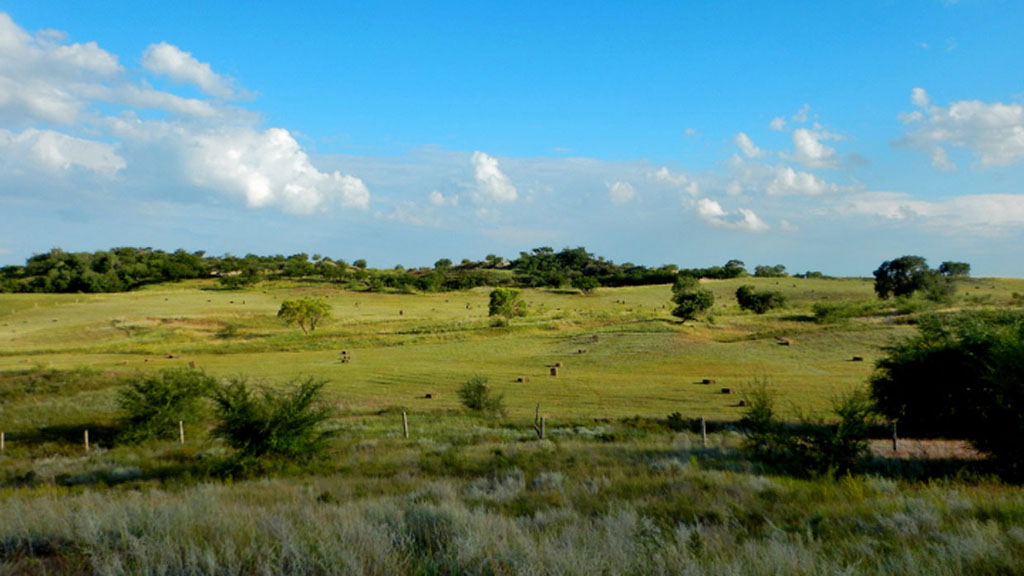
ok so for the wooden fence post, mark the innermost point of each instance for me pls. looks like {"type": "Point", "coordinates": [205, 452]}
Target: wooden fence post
{"type": "Point", "coordinates": [87, 440]}
{"type": "Point", "coordinates": [703, 432]}
{"type": "Point", "coordinates": [542, 419]}
{"type": "Point", "coordinates": [3, 439]}
{"type": "Point", "coordinates": [405, 424]}
{"type": "Point", "coordinates": [895, 438]}
{"type": "Point", "coordinates": [181, 432]}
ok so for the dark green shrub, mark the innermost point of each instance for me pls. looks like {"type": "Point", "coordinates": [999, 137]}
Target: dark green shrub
{"type": "Point", "coordinates": [765, 438]}
{"type": "Point", "coordinates": [153, 404]}
{"type": "Point", "coordinates": [759, 302]}
{"type": "Point", "coordinates": [838, 448]}
{"type": "Point", "coordinates": [270, 423]}
{"type": "Point", "coordinates": [476, 396]}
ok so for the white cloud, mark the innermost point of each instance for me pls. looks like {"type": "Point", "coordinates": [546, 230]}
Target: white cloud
{"type": "Point", "coordinates": [438, 199]}
{"type": "Point", "coordinates": [994, 132]}
{"type": "Point", "coordinates": [169, 60]}
{"type": "Point", "coordinates": [809, 150]}
{"type": "Point", "coordinates": [803, 114]}
{"type": "Point", "coordinates": [978, 214]}
{"type": "Point", "coordinates": [54, 151]}
{"type": "Point", "coordinates": [676, 180]}
{"type": "Point", "coordinates": [750, 150]}
{"type": "Point", "coordinates": [790, 181]}
{"type": "Point", "coordinates": [621, 192]}
{"type": "Point", "coordinates": [778, 124]}
{"type": "Point", "coordinates": [712, 212]}
{"type": "Point", "coordinates": [270, 169]}
{"type": "Point", "coordinates": [492, 183]}
{"type": "Point", "coordinates": [919, 98]}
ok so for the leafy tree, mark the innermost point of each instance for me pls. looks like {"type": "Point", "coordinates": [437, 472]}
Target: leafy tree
{"type": "Point", "coordinates": [476, 396]}
{"type": "Point", "coordinates": [443, 264]}
{"type": "Point", "coordinates": [955, 269]}
{"type": "Point", "coordinates": [776, 271]}
{"type": "Point", "coordinates": [153, 404]}
{"type": "Point", "coordinates": [267, 423]}
{"type": "Point", "coordinates": [585, 284]}
{"type": "Point", "coordinates": [759, 302]}
{"type": "Point", "coordinates": [361, 264]}
{"type": "Point", "coordinates": [306, 312]}
{"type": "Point", "coordinates": [506, 303]}
{"type": "Point", "coordinates": [690, 298]}
{"type": "Point", "coordinates": [902, 276]}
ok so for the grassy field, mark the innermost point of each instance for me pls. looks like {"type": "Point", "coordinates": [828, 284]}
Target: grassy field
{"type": "Point", "coordinates": [610, 490]}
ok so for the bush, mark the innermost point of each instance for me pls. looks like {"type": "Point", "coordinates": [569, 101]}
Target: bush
{"type": "Point", "coordinates": [476, 396]}
{"type": "Point", "coordinates": [690, 299]}
{"type": "Point", "coordinates": [838, 448]}
{"type": "Point", "coordinates": [764, 436]}
{"type": "Point", "coordinates": [759, 302]}
{"type": "Point", "coordinates": [153, 404]}
{"type": "Point", "coordinates": [962, 376]}
{"type": "Point", "coordinates": [269, 423]}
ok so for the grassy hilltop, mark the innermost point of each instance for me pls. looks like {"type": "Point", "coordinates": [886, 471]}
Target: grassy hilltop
{"type": "Point", "coordinates": [604, 492]}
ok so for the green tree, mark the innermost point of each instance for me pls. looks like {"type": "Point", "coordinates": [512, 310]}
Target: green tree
{"type": "Point", "coordinates": [153, 404]}
{"type": "Point", "coordinates": [902, 276]}
{"type": "Point", "coordinates": [955, 269]}
{"type": "Point", "coordinates": [690, 298]}
{"type": "Point", "coordinates": [759, 302]}
{"type": "Point", "coordinates": [585, 284]}
{"type": "Point", "coordinates": [506, 303]}
{"type": "Point", "coordinates": [307, 312]}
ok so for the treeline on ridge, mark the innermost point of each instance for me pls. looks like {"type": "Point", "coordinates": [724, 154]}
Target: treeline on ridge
{"type": "Point", "coordinates": [127, 268]}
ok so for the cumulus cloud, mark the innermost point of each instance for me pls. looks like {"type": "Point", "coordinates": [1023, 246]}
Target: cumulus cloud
{"type": "Point", "coordinates": [270, 169]}
{"type": "Point", "coordinates": [810, 151]}
{"type": "Point", "coordinates": [994, 132]}
{"type": "Point", "coordinates": [778, 124]}
{"type": "Point", "coordinates": [47, 149]}
{"type": "Point", "coordinates": [750, 150]}
{"type": "Point", "coordinates": [168, 60]}
{"type": "Point", "coordinates": [621, 192]}
{"type": "Point", "coordinates": [676, 180]}
{"type": "Point", "coordinates": [77, 108]}
{"type": "Point", "coordinates": [711, 211]}
{"type": "Point", "coordinates": [803, 114]}
{"type": "Point", "coordinates": [438, 199]}
{"type": "Point", "coordinates": [492, 183]}
{"type": "Point", "coordinates": [790, 181]}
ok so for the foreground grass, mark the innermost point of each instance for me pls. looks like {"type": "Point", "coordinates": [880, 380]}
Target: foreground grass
{"type": "Point", "coordinates": [474, 498]}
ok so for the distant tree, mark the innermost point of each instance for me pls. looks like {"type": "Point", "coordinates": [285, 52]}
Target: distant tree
{"type": "Point", "coordinates": [443, 264]}
{"type": "Point", "coordinates": [690, 298]}
{"type": "Point", "coordinates": [902, 276]}
{"type": "Point", "coordinates": [361, 264]}
{"type": "Point", "coordinates": [506, 303]}
{"type": "Point", "coordinates": [585, 284]}
{"type": "Point", "coordinates": [955, 269]}
{"type": "Point", "coordinates": [759, 302]}
{"type": "Point", "coordinates": [776, 271]}
{"type": "Point", "coordinates": [307, 312]}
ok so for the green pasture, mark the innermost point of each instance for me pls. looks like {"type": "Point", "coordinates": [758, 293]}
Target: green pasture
{"type": "Point", "coordinates": [621, 352]}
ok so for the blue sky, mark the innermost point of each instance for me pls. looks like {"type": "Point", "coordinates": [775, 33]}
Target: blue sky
{"type": "Point", "coordinates": [823, 136]}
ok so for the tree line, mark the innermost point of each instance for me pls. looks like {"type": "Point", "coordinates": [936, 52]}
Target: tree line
{"type": "Point", "coordinates": [127, 268]}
